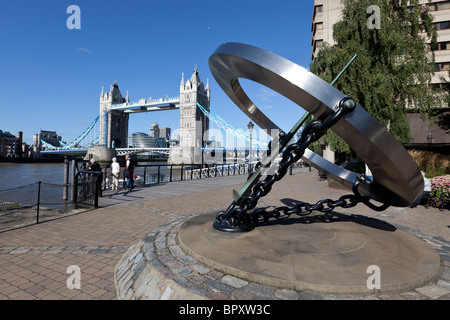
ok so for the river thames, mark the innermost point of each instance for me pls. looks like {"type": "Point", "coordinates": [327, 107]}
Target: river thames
{"type": "Point", "coordinates": [20, 174]}
{"type": "Point", "coordinates": [14, 175]}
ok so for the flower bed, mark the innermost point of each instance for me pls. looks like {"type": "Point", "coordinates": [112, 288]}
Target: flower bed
{"type": "Point", "coordinates": [440, 189]}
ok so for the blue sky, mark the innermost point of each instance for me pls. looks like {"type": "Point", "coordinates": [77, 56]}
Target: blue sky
{"type": "Point", "coordinates": [51, 77]}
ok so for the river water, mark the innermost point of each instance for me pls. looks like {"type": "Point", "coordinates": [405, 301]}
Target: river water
{"type": "Point", "coordinates": [14, 175]}
{"type": "Point", "coordinates": [20, 174]}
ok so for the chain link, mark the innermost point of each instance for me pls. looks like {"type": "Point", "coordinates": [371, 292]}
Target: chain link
{"type": "Point", "coordinates": [238, 218]}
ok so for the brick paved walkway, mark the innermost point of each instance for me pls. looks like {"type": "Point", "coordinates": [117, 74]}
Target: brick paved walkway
{"type": "Point", "coordinates": [34, 259]}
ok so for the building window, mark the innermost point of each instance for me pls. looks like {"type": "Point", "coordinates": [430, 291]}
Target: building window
{"type": "Point", "coordinates": [442, 46]}
{"type": "Point", "coordinates": [438, 86]}
{"type": "Point", "coordinates": [444, 66]}
{"type": "Point", "coordinates": [439, 6]}
{"type": "Point", "coordinates": [444, 25]}
{"type": "Point", "coordinates": [319, 26]}
{"type": "Point", "coordinates": [319, 8]}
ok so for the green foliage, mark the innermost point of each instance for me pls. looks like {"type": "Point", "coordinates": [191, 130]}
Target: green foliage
{"type": "Point", "coordinates": [393, 67]}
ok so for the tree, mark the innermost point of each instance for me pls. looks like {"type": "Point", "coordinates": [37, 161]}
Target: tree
{"type": "Point", "coordinates": [393, 68]}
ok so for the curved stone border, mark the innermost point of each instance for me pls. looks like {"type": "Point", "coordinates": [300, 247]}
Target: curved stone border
{"type": "Point", "coordinates": [156, 268]}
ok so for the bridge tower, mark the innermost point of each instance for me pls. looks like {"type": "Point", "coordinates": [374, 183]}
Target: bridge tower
{"type": "Point", "coordinates": [113, 124]}
{"type": "Point", "coordinates": [194, 124]}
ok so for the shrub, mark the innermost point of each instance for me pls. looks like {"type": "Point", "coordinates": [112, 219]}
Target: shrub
{"type": "Point", "coordinates": [440, 187]}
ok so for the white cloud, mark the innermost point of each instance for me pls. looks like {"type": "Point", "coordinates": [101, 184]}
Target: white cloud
{"type": "Point", "coordinates": [85, 50]}
{"type": "Point", "coordinates": [265, 95]}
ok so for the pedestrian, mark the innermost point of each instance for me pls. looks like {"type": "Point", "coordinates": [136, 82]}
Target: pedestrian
{"type": "Point", "coordinates": [94, 166]}
{"type": "Point", "coordinates": [115, 171]}
{"type": "Point", "coordinates": [129, 172]}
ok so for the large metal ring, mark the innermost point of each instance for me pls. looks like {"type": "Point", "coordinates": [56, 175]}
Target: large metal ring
{"type": "Point", "coordinates": [397, 180]}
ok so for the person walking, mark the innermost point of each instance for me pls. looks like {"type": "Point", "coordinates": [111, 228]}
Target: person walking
{"type": "Point", "coordinates": [94, 166]}
{"type": "Point", "coordinates": [115, 171]}
{"type": "Point", "coordinates": [129, 172]}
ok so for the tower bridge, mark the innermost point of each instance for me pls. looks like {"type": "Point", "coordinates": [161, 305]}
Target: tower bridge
{"type": "Point", "coordinates": [115, 111]}
{"type": "Point", "coordinates": [193, 102]}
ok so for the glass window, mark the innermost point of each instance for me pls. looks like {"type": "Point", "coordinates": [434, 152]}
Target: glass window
{"type": "Point", "coordinates": [444, 25]}
{"type": "Point", "coordinates": [319, 8]}
{"type": "Point", "coordinates": [444, 5]}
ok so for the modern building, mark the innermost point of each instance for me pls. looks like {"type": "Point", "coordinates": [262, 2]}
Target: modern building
{"type": "Point", "coordinates": [430, 135]}
{"type": "Point", "coordinates": [162, 135]}
{"type": "Point", "coordinates": [143, 140]}
{"type": "Point", "coordinates": [8, 145]}
{"type": "Point", "coordinates": [154, 130]}
{"type": "Point", "coordinates": [165, 133]}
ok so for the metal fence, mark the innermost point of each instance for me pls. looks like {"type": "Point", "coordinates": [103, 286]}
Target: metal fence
{"type": "Point", "coordinates": [43, 201]}
{"type": "Point", "coordinates": [161, 173]}
{"type": "Point", "coordinates": [31, 204]}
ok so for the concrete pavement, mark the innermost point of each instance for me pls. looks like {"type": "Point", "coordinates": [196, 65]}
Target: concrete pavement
{"type": "Point", "coordinates": [34, 260]}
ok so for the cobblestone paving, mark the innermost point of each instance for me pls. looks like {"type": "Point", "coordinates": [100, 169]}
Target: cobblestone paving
{"type": "Point", "coordinates": [193, 280]}
{"type": "Point", "coordinates": [34, 260]}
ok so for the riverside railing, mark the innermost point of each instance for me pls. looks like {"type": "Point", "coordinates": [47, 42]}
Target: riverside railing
{"type": "Point", "coordinates": [40, 201]}
{"type": "Point", "coordinates": [146, 174]}
{"type": "Point", "coordinates": [32, 204]}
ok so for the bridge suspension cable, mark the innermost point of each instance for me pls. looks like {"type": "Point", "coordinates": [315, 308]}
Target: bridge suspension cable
{"type": "Point", "coordinates": [75, 144]}
{"type": "Point", "coordinates": [229, 129]}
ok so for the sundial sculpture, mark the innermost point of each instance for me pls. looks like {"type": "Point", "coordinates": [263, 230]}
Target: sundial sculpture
{"type": "Point", "coordinates": [396, 178]}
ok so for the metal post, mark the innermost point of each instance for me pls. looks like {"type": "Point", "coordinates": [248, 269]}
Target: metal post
{"type": "Point", "coordinates": [73, 196]}
{"type": "Point", "coordinates": [170, 179]}
{"type": "Point", "coordinates": [38, 202]}
{"type": "Point", "coordinates": [95, 190]}
{"type": "Point", "coordinates": [159, 172]}
{"type": "Point", "coordinates": [66, 180]}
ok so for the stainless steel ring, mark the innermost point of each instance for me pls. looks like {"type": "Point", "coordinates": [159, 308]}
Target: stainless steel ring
{"type": "Point", "coordinates": [396, 178]}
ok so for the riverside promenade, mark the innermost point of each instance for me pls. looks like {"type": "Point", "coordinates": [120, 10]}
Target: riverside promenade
{"type": "Point", "coordinates": [35, 260]}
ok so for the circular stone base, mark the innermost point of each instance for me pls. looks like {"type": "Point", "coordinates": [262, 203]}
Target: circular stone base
{"type": "Point", "coordinates": [330, 253]}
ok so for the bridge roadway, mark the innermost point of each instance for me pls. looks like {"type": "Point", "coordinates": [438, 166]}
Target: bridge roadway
{"type": "Point", "coordinates": [34, 260]}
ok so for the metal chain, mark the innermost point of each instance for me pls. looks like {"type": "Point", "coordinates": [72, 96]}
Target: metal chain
{"type": "Point", "coordinates": [304, 208]}
{"type": "Point", "coordinates": [237, 219]}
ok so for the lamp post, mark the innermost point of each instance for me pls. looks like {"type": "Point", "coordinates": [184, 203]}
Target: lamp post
{"type": "Point", "coordinates": [430, 139]}
{"type": "Point", "coordinates": [250, 127]}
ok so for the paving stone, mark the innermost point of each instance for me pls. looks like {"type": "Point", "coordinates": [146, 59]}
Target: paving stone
{"type": "Point", "coordinates": [259, 289]}
{"type": "Point", "coordinates": [167, 294]}
{"type": "Point", "coordinates": [219, 286]}
{"type": "Point", "coordinates": [233, 281]}
{"type": "Point", "coordinates": [287, 294]}
{"type": "Point", "coordinates": [433, 291]}
{"type": "Point", "coordinates": [445, 284]}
